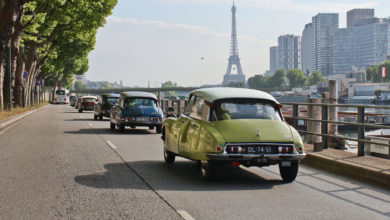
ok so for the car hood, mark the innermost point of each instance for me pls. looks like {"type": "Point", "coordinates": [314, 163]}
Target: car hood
{"type": "Point", "coordinates": [149, 111]}
{"type": "Point", "coordinates": [254, 130]}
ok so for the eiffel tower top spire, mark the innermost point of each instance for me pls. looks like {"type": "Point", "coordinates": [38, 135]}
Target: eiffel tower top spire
{"type": "Point", "coordinates": [234, 59]}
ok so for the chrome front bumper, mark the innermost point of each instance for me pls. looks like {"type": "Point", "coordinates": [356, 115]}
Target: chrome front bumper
{"type": "Point", "coordinates": [246, 157]}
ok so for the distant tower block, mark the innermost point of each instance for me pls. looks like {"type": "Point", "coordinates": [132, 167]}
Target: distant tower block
{"type": "Point", "coordinates": [234, 59]}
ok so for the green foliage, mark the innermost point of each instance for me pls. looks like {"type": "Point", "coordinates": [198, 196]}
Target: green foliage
{"type": "Point", "coordinates": [371, 71]}
{"type": "Point", "coordinates": [169, 84]}
{"type": "Point", "coordinates": [314, 78]}
{"type": "Point", "coordinates": [278, 80]}
{"type": "Point", "coordinates": [296, 78]}
{"type": "Point", "coordinates": [378, 92]}
{"type": "Point", "coordinates": [258, 82]}
{"type": "Point", "coordinates": [240, 84]}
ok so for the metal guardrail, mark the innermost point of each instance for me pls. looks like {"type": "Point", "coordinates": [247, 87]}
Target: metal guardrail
{"type": "Point", "coordinates": [177, 107]}
{"type": "Point", "coordinates": [360, 124]}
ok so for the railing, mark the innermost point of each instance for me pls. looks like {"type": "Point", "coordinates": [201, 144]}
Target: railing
{"type": "Point", "coordinates": [360, 124]}
{"type": "Point", "coordinates": [177, 107]}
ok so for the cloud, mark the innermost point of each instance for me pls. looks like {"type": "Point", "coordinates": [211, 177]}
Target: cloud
{"type": "Point", "coordinates": [286, 5]}
{"type": "Point", "coordinates": [138, 51]}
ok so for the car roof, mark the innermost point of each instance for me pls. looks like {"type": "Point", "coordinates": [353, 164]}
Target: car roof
{"type": "Point", "coordinates": [217, 93]}
{"type": "Point", "coordinates": [139, 94]}
{"type": "Point", "coordinates": [110, 95]}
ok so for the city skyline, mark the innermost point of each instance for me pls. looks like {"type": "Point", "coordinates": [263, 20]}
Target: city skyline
{"type": "Point", "coordinates": [187, 41]}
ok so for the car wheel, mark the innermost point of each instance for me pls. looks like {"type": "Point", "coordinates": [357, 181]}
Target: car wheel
{"type": "Point", "coordinates": [101, 117]}
{"type": "Point", "coordinates": [169, 157]}
{"type": "Point", "coordinates": [112, 126]}
{"type": "Point", "coordinates": [289, 174]}
{"type": "Point", "coordinates": [95, 117]}
{"type": "Point", "coordinates": [158, 129]}
{"type": "Point", "coordinates": [207, 169]}
{"type": "Point", "coordinates": [80, 111]}
{"type": "Point", "coordinates": [121, 128]}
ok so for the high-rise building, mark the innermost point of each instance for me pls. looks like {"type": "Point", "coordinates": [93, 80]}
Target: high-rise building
{"type": "Point", "coordinates": [354, 15]}
{"type": "Point", "coordinates": [306, 48]}
{"type": "Point", "coordinates": [289, 52]}
{"type": "Point", "coordinates": [361, 46]}
{"type": "Point", "coordinates": [324, 25]}
{"type": "Point", "coordinates": [273, 59]}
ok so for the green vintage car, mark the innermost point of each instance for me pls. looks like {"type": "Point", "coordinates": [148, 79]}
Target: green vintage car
{"type": "Point", "coordinates": [233, 126]}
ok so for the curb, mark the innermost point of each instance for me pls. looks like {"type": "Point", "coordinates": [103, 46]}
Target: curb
{"type": "Point", "coordinates": [19, 117]}
{"type": "Point", "coordinates": [348, 169]}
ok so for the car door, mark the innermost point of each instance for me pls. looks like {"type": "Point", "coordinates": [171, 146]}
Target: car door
{"type": "Point", "coordinates": [190, 135]}
{"type": "Point", "coordinates": [181, 128]}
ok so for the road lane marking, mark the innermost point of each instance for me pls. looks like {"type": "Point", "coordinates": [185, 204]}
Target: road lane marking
{"type": "Point", "coordinates": [90, 125]}
{"type": "Point", "coordinates": [185, 215]}
{"type": "Point", "coordinates": [111, 145]}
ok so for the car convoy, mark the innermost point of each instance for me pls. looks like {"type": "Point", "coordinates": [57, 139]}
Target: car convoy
{"type": "Point", "coordinates": [231, 126]}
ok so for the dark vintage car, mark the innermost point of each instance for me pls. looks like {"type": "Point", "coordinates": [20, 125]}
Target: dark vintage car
{"type": "Point", "coordinates": [86, 103]}
{"type": "Point", "coordinates": [104, 104]}
{"type": "Point", "coordinates": [136, 109]}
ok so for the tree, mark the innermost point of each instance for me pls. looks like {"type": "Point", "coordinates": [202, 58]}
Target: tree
{"type": "Point", "coordinates": [296, 78]}
{"type": "Point", "coordinates": [258, 82]}
{"type": "Point", "coordinates": [371, 71]}
{"type": "Point", "coordinates": [240, 84]}
{"type": "Point", "coordinates": [314, 78]}
{"type": "Point", "coordinates": [278, 80]}
{"type": "Point", "coordinates": [78, 85]}
{"type": "Point", "coordinates": [170, 84]}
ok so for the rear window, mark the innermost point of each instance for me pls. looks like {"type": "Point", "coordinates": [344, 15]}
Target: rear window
{"type": "Point", "coordinates": [60, 92]}
{"type": "Point", "coordinates": [246, 109]}
{"type": "Point", "coordinates": [89, 100]}
{"type": "Point", "coordinates": [111, 100]}
{"type": "Point", "coordinates": [140, 102]}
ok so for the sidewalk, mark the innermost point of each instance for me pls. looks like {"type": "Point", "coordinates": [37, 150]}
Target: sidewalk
{"type": "Point", "coordinates": [373, 170]}
{"type": "Point", "coordinates": [8, 121]}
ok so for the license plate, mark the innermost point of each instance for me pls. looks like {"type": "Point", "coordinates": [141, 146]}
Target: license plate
{"type": "Point", "coordinates": [142, 119]}
{"type": "Point", "coordinates": [260, 149]}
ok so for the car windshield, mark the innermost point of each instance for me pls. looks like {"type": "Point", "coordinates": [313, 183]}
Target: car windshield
{"type": "Point", "coordinates": [247, 109]}
{"type": "Point", "coordinates": [140, 102]}
{"type": "Point", "coordinates": [89, 100]}
{"type": "Point", "coordinates": [111, 100]}
{"type": "Point", "coordinates": [60, 92]}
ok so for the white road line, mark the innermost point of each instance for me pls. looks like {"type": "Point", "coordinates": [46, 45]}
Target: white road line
{"type": "Point", "coordinates": [90, 125]}
{"type": "Point", "coordinates": [185, 215]}
{"type": "Point", "coordinates": [111, 145]}
{"type": "Point", "coordinates": [9, 127]}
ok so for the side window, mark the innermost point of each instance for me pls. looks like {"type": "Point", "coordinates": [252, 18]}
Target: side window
{"type": "Point", "coordinates": [189, 106]}
{"type": "Point", "coordinates": [200, 110]}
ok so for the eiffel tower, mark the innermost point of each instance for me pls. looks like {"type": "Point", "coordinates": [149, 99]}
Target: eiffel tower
{"type": "Point", "coordinates": [234, 59]}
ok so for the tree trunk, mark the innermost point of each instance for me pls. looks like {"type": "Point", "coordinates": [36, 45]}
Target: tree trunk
{"type": "Point", "coordinates": [1, 86]}
{"type": "Point", "coordinates": [6, 85]}
{"type": "Point", "coordinates": [55, 87]}
{"type": "Point", "coordinates": [18, 89]}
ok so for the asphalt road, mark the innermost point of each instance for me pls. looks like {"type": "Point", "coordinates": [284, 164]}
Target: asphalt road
{"type": "Point", "coordinates": [61, 164]}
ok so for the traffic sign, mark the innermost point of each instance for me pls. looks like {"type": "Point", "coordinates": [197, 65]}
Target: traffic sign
{"type": "Point", "coordinates": [37, 83]}
{"type": "Point", "coordinates": [25, 74]}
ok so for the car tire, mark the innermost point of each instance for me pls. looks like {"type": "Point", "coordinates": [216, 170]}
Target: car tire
{"type": "Point", "coordinates": [94, 117]}
{"type": "Point", "coordinates": [112, 126]}
{"type": "Point", "coordinates": [289, 174]}
{"type": "Point", "coordinates": [80, 111]}
{"type": "Point", "coordinates": [121, 128]}
{"type": "Point", "coordinates": [169, 157]}
{"type": "Point", "coordinates": [101, 117]}
{"type": "Point", "coordinates": [207, 169]}
{"type": "Point", "coordinates": [158, 129]}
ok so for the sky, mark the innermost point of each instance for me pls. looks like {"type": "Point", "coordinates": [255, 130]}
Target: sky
{"type": "Point", "coordinates": [148, 42]}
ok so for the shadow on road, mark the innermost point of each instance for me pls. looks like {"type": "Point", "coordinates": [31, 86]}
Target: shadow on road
{"type": "Point", "coordinates": [109, 131]}
{"type": "Point", "coordinates": [79, 119]}
{"type": "Point", "coordinates": [180, 176]}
